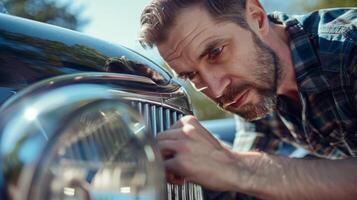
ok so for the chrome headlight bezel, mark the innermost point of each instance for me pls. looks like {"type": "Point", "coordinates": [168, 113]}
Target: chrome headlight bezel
{"type": "Point", "coordinates": [65, 99]}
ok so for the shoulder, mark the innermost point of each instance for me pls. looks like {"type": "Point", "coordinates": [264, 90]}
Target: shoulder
{"type": "Point", "coordinates": [323, 41]}
{"type": "Point", "coordinates": [335, 21]}
{"type": "Point", "coordinates": [333, 33]}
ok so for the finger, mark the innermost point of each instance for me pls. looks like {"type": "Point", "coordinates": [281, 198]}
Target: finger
{"type": "Point", "coordinates": [179, 170]}
{"type": "Point", "coordinates": [172, 166]}
{"type": "Point", "coordinates": [189, 131]}
{"type": "Point", "coordinates": [168, 148]}
{"type": "Point", "coordinates": [174, 178]}
{"type": "Point", "coordinates": [172, 134]}
{"type": "Point", "coordinates": [193, 121]}
{"type": "Point", "coordinates": [167, 154]}
{"type": "Point", "coordinates": [178, 124]}
{"type": "Point", "coordinates": [184, 120]}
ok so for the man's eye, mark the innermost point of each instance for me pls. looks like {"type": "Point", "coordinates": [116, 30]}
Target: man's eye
{"type": "Point", "coordinates": [215, 53]}
{"type": "Point", "coordinates": [188, 76]}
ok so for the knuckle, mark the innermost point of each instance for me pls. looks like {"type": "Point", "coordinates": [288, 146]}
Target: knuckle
{"type": "Point", "coordinates": [189, 131]}
{"type": "Point", "coordinates": [188, 128]}
{"type": "Point", "coordinates": [190, 119]}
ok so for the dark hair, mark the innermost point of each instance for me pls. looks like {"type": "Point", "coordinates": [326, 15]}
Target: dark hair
{"type": "Point", "coordinates": [158, 17]}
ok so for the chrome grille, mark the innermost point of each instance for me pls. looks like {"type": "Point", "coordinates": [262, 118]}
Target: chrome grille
{"type": "Point", "coordinates": [157, 118]}
{"type": "Point", "coordinates": [160, 118]}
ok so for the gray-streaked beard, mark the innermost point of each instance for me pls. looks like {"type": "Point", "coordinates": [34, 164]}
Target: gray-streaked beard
{"type": "Point", "coordinates": [250, 111]}
{"type": "Point", "coordinates": [258, 111]}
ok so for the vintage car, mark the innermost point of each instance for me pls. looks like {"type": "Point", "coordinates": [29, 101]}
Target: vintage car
{"type": "Point", "coordinates": [78, 117]}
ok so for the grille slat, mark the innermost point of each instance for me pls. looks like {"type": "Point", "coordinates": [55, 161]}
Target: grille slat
{"type": "Point", "coordinates": [161, 119]}
{"type": "Point", "coordinates": [147, 116]}
{"type": "Point", "coordinates": [153, 120]}
{"type": "Point", "coordinates": [174, 116]}
{"type": "Point", "coordinates": [169, 191]}
{"type": "Point", "coordinates": [176, 192]}
{"type": "Point", "coordinates": [167, 119]}
{"type": "Point", "coordinates": [140, 107]}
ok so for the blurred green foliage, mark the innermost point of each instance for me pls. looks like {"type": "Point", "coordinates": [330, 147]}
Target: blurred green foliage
{"type": "Point", "coordinates": [203, 107]}
{"type": "Point", "coordinates": [329, 4]}
{"type": "Point", "coordinates": [48, 11]}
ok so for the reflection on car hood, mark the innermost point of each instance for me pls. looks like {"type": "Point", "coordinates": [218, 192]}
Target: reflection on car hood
{"type": "Point", "coordinates": [31, 51]}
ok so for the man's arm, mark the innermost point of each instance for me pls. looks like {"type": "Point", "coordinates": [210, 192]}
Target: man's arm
{"type": "Point", "coordinates": [352, 70]}
{"type": "Point", "coordinates": [274, 177]}
{"type": "Point", "coordinates": [192, 153]}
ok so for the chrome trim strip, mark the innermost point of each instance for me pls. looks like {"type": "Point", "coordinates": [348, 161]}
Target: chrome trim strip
{"type": "Point", "coordinates": [167, 118]}
{"type": "Point", "coordinates": [147, 116]}
{"type": "Point", "coordinates": [161, 118]}
{"type": "Point", "coordinates": [153, 120]}
{"type": "Point", "coordinates": [174, 116]}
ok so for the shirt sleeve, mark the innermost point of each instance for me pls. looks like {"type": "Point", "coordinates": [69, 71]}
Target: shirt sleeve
{"type": "Point", "coordinates": [352, 69]}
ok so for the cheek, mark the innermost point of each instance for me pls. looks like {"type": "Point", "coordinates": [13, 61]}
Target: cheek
{"type": "Point", "coordinates": [254, 97]}
{"type": "Point", "coordinates": [242, 63]}
{"type": "Point", "coordinates": [239, 68]}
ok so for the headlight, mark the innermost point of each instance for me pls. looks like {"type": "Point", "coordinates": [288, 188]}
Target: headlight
{"type": "Point", "coordinates": [77, 142]}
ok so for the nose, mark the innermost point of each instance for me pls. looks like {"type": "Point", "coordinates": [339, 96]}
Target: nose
{"type": "Point", "coordinates": [212, 83]}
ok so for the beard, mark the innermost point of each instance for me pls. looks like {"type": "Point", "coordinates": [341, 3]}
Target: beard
{"type": "Point", "coordinates": [265, 75]}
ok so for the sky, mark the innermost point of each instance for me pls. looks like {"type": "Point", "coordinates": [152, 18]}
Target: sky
{"type": "Point", "coordinates": [118, 21]}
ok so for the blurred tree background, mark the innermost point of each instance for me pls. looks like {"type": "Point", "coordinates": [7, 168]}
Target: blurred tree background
{"type": "Point", "coordinates": [318, 4]}
{"type": "Point", "coordinates": [54, 12]}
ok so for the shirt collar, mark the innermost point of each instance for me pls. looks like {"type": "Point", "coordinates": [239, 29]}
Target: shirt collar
{"type": "Point", "coordinates": [309, 75]}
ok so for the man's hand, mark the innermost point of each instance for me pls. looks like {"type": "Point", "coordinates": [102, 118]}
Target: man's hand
{"type": "Point", "coordinates": [192, 153]}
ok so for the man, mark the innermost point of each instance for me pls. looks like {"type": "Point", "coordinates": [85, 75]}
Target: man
{"type": "Point", "coordinates": [250, 63]}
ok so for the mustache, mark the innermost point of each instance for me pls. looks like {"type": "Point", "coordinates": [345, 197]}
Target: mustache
{"type": "Point", "coordinates": [230, 93]}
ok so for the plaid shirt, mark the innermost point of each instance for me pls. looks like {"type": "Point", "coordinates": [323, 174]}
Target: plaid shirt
{"type": "Point", "coordinates": [324, 52]}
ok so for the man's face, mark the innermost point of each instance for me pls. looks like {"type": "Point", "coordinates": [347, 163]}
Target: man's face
{"type": "Point", "coordinates": [229, 64]}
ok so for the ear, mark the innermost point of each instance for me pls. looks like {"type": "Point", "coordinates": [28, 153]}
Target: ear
{"type": "Point", "coordinates": [257, 18]}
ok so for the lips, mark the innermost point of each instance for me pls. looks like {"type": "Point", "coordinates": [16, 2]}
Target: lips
{"type": "Point", "coordinates": [238, 101]}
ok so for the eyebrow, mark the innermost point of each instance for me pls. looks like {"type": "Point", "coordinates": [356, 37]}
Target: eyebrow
{"type": "Point", "coordinates": [209, 46]}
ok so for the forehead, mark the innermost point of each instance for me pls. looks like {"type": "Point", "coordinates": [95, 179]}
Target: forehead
{"type": "Point", "coordinates": [190, 25]}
